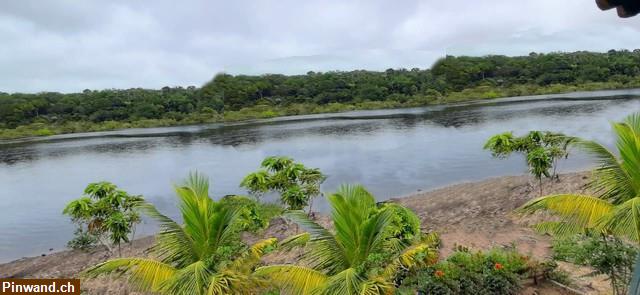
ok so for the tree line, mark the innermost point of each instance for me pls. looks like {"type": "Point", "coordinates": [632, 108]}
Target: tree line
{"type": "Point", "coordinates": [234, 97]}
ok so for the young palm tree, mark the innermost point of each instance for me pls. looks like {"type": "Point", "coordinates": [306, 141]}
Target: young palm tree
{"type": "Point", "coordinates": [344, 262]}
{"type": "Point", "coordinates": [615, 205]}
{"type": "Point", "coordinates": [198, 257]}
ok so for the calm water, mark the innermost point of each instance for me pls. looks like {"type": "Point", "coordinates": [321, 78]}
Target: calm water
{"type": "Point", "coordinates": [393, 153]}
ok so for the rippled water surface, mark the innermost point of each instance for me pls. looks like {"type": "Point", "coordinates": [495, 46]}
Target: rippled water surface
{"type": "Point", "coordinates": [391, 152]}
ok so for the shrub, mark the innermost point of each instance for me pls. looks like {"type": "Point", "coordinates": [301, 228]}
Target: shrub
{"type": "Point", "coordinates": [105, 214]}
{"type": "Point", "coordinates": [493, 272]}
{"type": "Point", "coordinates": [82, 240]}
{"type": "Point", "coordinates": [606, 254]}
{"type": "Point", "coordinates": [296, 184]}
{"type": "Point", "coordinates": [254, 215]}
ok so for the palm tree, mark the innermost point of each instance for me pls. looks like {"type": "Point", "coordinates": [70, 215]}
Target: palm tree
{"type": "Point", "coordinates": [615, 204]}
{"type": "Point", "coordinates": [200, 257]}
{"type": "Point", "coordinates": [344, 262]}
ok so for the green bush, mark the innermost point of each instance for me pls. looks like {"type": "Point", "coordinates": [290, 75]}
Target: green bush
{"type": "Point", "coordinates": [606, 254]}
{"type": "Point", "coordinates": [255, 215]}
{"type": "Point", "coordinates": [493, 272]}
{"type": "Point", "coordinates": [82, 240]}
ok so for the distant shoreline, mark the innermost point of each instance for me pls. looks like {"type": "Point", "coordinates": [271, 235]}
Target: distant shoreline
{"type": "Point", "coordinates": [352, 111]}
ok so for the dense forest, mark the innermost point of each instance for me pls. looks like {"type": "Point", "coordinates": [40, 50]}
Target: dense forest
{"type": "Point", "coordinates": [228, 97]}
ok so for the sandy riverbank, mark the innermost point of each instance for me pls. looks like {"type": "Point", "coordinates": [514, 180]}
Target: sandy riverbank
{"type": "Point", "coordinates": [477, 215]}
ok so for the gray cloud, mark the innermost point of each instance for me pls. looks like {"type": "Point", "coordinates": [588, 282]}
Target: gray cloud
{"type": "Point", "coordinates": [68, 45]}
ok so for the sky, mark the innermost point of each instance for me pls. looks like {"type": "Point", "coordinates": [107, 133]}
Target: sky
{"type": "Point", "coordinates": [70, 45]}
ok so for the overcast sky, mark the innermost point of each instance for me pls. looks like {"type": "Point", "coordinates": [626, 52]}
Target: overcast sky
{"type": "Point", "coordinates": [73, 45]}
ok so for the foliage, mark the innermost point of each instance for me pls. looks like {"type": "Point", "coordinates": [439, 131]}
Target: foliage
{"type": "Point", "coordinates": [103, 213]}
{"type": "Point", "coordinates": [494, 272]}
{"type": "Point", "coordinates": [82, 240]}
{"type": "Point", "coordinates": [229, 98]}
{"type": "Point", "coordinates": [202, 256]}
{"type": "Point", "coordinates": [615, 205]}
{"type": "Point", "coordinates": [542, 150]}
{"type": "Point", "coordinates": [606, 254]}
{"type": "Point", "coordinates": [296, 184]}
{"type": "Point", "coordinates": [254, 215]}
{"type": "Point", "coordinates": [362, 256]}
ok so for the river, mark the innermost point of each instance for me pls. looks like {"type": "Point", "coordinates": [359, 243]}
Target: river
{"type": "Point", "coordinates": [391, 152]}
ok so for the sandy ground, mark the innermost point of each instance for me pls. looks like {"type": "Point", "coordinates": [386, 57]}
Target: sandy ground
{"type": "Point", "coordinates": [477, 215]}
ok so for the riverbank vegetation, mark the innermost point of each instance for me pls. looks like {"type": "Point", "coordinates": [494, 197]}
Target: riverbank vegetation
{"type": "Point", "coordinates": [233, 98]}
{"type": "Point", "coordinates": [105, 214]}
{"type": "Point", "coordinates": [612, 210]}
{"type": "Point", "coordinates": [369, 247]}
{"type": "Point", "coordinates": [542, 150]}
{"type": "Point", "coordinates": [365, 247]}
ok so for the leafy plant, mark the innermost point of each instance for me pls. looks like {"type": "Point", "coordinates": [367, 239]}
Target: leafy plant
{"type": "Point", "coordinates": [104, 214]}
{"type": "Point", "coordinates": [493, 272]}
{"type": "Point", "coordinates": [202, 256]}
{"type": "Point", "coordinates": [614, 207]}
{"type": "Point", "coordinates": [365, 255]}
{"type": "Point", "coordinates": [254, 215]}
{"type": "Point", "coordinates": [82, 240]}
{"type": "Point", "coordinates": [542, 150]}
{"type": "Point", "coordinates": [606, 254]}
{"type": "Point", "coordinates": [296, 184]}
{"type": "Point", "coordinates": [616, 185]}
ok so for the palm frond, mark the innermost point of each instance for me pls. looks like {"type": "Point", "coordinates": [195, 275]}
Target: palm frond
{"type": "Point", "coordinates": [557, 228]}
{"type": "Point", "coordinates": [628, 144]}
{"type": "Point", "coordinates": [346, 282]}
{"type": "Point", "coordinates": [351, 206]}
{"type": "Point", "coordinates": [377, 286]}
{"type": "Point", "coordinates": [293, 279]}
{"type": "Point", "coordinates": [251, 257]}
{"type": "Point", "coordinates": [419, 255]}
{"type": "Point", "coordinates": [206, 223]}
{"type": "Point", "coordinates": [192, 279]}
{"type": "Point", "coordinates": [144, 274]}
{"type": "Point", "coordinates": [633, 121]}
{"type": "Point", "coordinates": [227, 282]}
{"type": "Point", "coordinates": [373, 234]}
{"type": "Point", "coordinates": [575, 211]}
{"type": "Point", "coordinates": [299, 240]}
{"type": "Point", "coordinates": [198, 183]}
{"type": "Point", "coordinates": [172, 244]}
{"type": "Point", "coordinates": [326, 254]}
{"type": "Point", "coordinates": [624, 220]}
{"type": "Point", "coordinates": [221, 227]}
{"type": "Point", "coordinates": [611, 181]}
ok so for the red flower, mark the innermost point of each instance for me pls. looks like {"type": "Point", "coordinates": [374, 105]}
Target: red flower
{"type": "Point", "coordinates": [498, 266]}
{"type": "Point", "coordinates": [439, 273]}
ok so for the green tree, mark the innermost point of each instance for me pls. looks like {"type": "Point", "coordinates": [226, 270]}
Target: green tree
{"type": "Point", "coordinates": [202, 256]}
{"type": "Point", "coordinates": [542, 150]}
{"type": "Point", "coordinates": [296, 184]}
{"type": "Point", "coordinates": [105, 213]}
{"type": "Point", "coordinates": [364, 255]}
